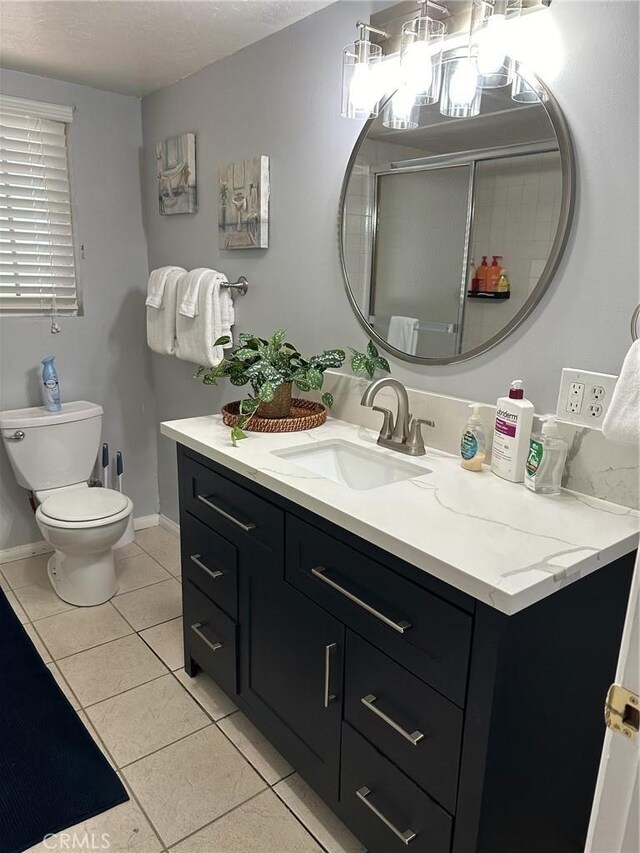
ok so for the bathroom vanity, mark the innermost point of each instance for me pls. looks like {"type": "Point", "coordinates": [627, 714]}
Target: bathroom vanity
{"type": "Point", "coordinates": [431, 656]}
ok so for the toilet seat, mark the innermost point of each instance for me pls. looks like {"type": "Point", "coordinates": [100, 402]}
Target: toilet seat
{"type": "Point", "coordinates": [78, 508]}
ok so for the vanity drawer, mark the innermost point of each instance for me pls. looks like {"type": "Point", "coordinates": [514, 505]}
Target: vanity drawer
{"type": "Point", "coordinates": [210, 638]}
{"type": "Point", "coordinates": [406, 720]}
{"type": "Point", "coordinates": [231, 510]}
{"type": "Point", "coordinates": [421, 631]}
{"type": "Point", "coordinates": [210, 563]}
{"type": "Point", "coordinates": [383, 807]}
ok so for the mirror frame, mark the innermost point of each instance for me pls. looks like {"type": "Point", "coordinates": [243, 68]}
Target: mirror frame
{"type": "Point", "coordinates": [567, 204]}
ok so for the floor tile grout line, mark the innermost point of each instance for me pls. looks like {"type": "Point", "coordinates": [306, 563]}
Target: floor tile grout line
{"type": "Point", "coordinates": [171, 743]}
{"type": "Point", "coordinates": [237, 748]}
{"type": "Point", "coordinates": [219, 817]}
{"type": "Point", "coordinates": [134, 797]}
{"type": "Point", "coordinates": [299, 819]}
{"type": "Point", "coordinates": [127, 690]}
{"type": "Point", "coordinates": [200, 705]}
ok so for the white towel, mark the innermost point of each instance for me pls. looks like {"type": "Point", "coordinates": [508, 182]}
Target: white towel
{"type": "Point", "coordinates": [213, 318]}
{"type": "Point", "coordinates": [622, 421]}
{"type": "Point", "coordinates": [155, 286]}
{"type": "Point", "coordinates": [189, 292]}
{"type": "Point", "coordinates": [161, 320]}
{"type": "Point", "coordinates": [403, 334]}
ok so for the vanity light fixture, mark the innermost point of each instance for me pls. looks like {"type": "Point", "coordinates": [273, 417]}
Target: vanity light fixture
{"type": "Point", "coordinates": [434, 65]}
{"type": "Point", "coordinates": [421, 56]}
{"type": "Point", "coordinates": [490, 40]}
{"type": "Point", "coordinates": [360, 84]}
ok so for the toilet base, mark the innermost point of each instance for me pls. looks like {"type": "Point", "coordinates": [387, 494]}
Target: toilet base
{"type": "Point", "coordinates": [84, 580]}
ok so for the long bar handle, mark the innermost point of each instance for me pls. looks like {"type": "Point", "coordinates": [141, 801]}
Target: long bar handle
{"type": "Point", "coordinates": [329, 651]}
{"type": "Point", "coordinates": [195, 558]}
{"type": "Point", "coordinates": [401, 627]}
{"type": "Point", "coordinates": [412, 737]}
{"type": "Point", "coordinates": [206, 500]}
{"type": "Point", "coordinates": [198, 632]}
{"type": "Point", "coordinates": [406, 837]}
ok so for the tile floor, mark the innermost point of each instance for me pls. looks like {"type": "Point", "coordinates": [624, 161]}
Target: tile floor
{"type": "Point", "coordinates": [201, 778]}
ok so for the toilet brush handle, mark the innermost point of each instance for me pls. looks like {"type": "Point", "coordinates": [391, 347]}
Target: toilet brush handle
{"type": "Point", "coordinates": [119, 469]}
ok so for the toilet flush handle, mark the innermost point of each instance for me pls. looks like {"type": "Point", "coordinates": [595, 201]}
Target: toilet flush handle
{"type": "Point", "coordinates": [17, 436]}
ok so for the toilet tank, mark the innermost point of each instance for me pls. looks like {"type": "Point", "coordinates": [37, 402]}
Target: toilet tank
{"type": "Point", "coordinates": [48, 450]}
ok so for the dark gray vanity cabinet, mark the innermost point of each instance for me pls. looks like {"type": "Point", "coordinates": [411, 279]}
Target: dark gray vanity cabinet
{"type": "Point", "coordinates": [423, 717]}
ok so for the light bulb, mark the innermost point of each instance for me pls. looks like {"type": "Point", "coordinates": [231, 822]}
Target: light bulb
{"type": "Point", "coordinates": [402, 103]}
{"type": "Point", "coordinates": [464, 82]}
{"type": "Point", "coordinates": [417, 69]}
{"type": "Point", "coordinates": [361, 95]}
{"type": "Point", "coordinates": [492, 45]}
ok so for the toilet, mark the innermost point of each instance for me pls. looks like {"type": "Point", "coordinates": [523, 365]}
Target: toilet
{"type": "Point", "coordinates": [52, 454]}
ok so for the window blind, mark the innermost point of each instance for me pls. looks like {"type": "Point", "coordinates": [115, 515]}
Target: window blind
{"type": "Point", "coordinates": [37, 262]}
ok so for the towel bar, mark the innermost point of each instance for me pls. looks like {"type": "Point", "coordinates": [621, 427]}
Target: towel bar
{"type": "Point", "coordinates": [241, 285]}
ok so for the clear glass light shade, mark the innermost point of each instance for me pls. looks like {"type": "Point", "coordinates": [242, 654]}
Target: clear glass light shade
{"type": "Point", "coordinates": [490, 40]}
{"type": "Point", "coordinates": [360, 83]}
{"type": "Point", "coordinates": [421, 58]}
{"type": "Point", "coordinates": [401, 111]}
{"type": "Point", "coordinates": [525, 88]}
{"type": "Point", "coordinates": [461, 90]}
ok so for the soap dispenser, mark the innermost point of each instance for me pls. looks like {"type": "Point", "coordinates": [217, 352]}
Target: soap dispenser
{"type": "Point", "coordinates": [473, 444]}
{"type": "Point", "coordinates": [545, 463]}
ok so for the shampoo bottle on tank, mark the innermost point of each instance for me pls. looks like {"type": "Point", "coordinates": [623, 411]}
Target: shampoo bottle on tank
{"type": "Point", "coordinates": [512, 430]}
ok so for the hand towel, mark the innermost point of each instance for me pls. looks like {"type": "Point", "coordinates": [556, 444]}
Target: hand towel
{"type": "Point", "coordinates": [622, 421]}
{"type": "Point", "coordinates": [161, 320]}
{"type": "Point", "coordinates": [155, 287]}
{"type": "Point", "coordinates": [189, 292]}
{"type": "Point", "coordinates": [403, 334]}
{"type": "Point", "coordinates": [213, 318]}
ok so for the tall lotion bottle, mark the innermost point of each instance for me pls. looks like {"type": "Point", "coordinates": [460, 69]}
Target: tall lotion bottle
{"type": "Point", "coordinates": [511, 434]}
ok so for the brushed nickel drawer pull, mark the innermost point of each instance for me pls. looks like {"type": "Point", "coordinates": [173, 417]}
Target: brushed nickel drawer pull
{"type": "Point", "coordinates": [197, 631]}
{"type": "Point", "coordinates": [195, 558]}
{"type": "Point", "coordinates": [205, 499]}
{"type": "Point", "coordinates": [413, 737]}
{"type": "Point", "coordinates": [400, 627]}
{"type": "Point", "coordinates": [329, 651]}
{"type": "Point", "coordinates": [406, 837]}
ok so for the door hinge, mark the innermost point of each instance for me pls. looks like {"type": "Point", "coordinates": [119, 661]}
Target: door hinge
{"type": "Point", "coordinates": [622, 711]}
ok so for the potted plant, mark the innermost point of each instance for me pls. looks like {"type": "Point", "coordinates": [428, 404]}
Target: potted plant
{"type": "Point", "coordinates": [272, 367]}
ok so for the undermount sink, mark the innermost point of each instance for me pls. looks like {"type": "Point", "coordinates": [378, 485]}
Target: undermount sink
{"type": "Point", "coordinates": [351, 465]}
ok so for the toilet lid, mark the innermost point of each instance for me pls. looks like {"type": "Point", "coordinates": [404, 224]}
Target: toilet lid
{"type": "Point", "coordinates": [84, 504]}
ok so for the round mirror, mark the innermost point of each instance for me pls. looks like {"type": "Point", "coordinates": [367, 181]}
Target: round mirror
{"type": "Point", "coordinates": [451, 231]}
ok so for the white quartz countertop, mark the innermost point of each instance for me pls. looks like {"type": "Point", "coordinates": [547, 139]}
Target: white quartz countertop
{"type": "Point", "coordinates": [494, 540]}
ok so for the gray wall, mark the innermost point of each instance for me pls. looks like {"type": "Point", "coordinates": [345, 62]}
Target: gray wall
{"type": "Point", "coordinates": [281, 97]}
{"type": "Point", "coordinates": [101, 356]}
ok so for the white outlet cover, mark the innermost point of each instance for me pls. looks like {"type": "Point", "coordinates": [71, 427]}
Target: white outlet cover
{"type": "Point", "coordinates": [584, 397]}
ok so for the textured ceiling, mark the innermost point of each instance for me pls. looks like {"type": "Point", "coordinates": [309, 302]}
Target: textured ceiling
{"type": "Point", "coordinates": [135, 47]}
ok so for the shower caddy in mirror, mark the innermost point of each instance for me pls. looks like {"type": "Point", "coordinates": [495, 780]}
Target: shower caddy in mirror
{"type": "Point", "coordinates": [424, 202]}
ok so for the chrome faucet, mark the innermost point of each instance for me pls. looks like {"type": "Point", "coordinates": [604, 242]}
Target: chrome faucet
{"type": "Point", "coordinates": [405, 434]}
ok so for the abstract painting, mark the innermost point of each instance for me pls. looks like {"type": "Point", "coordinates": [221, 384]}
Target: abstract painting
{"type": "Point", "coordinates": [176, 160]}
{"type": "Point", "coordinates": [243, 204]}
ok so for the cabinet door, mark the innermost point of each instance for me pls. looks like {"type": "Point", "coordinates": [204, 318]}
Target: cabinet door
{"type": "Point", "coordinates": [292, 656]}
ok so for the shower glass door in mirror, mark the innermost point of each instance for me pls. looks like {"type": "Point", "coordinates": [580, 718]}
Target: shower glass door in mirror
{"type": "Point", "coordinates": [450, 232]}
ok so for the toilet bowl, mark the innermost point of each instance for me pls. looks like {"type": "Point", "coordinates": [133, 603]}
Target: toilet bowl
{"type": "Point", "coordinates": [83, 525]}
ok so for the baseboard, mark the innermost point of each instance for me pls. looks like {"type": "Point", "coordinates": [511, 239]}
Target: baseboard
{"type": "Point", "coordinates": [22, 552]}
{"type": "Point", "coordinates": [32, 549]}
{"type": "Point", "coordinates": [169, 525]}
{"type": "Point", "coordinates": [146, 521]}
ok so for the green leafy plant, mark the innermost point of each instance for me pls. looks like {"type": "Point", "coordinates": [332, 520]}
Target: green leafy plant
{"type": "Point", "coordinates": [368, 362]}
{"type": "Point", "coordinates": [266, 365]}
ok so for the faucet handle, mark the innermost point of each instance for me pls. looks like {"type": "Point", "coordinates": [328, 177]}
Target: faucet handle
{"type": "Point", "coordinates": [386, 431]}
{"type": "Point", "coordinates": [416, 441]}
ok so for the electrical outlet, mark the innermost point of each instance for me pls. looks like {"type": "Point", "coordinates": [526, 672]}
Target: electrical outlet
{"type": "Point", "coordinates": [584, 397]}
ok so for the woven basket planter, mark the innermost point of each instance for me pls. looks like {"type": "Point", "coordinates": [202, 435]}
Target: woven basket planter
{"type": "Point", "coordinates": [280, 405]}
{"type": "Point", "coordinates": [303, 415]}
